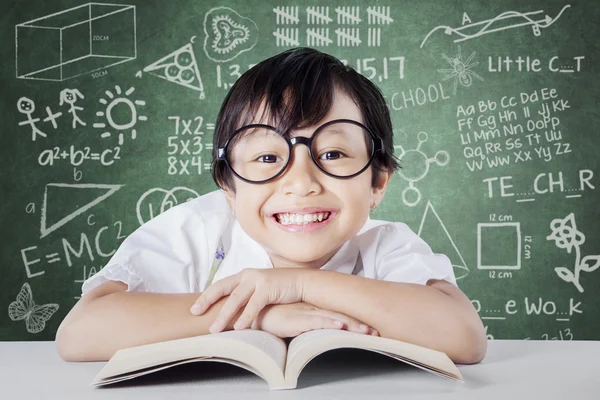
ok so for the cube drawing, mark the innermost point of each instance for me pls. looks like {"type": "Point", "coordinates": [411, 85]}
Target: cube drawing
{"type": "Point", "coordinates": [75, 41]}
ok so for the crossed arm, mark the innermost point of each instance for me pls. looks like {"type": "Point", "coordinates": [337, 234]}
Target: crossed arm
{"type": "Point", "coordinates": [437, 315]}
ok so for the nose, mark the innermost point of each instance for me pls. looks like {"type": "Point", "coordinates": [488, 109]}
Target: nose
{"type": "Point", "coordinates": [301, 175]}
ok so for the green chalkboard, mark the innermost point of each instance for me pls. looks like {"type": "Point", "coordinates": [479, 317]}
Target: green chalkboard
{"type": "Point", "coordinates": [107, 113]}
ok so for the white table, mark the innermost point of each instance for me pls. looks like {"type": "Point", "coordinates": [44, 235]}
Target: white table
{"type": "Point", "coordinates": [512, 370]}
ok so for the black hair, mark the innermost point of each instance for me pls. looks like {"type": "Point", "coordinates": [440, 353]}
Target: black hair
{"type": "Point", "coordinates": [297, 87]}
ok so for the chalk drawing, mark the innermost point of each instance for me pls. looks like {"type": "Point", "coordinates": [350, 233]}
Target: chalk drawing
{"type": "Point", "coordinates": [349, 15]}
{"type": "Point", "coordinates": [379, 15]}
{"type": "Point", "coordinates": [52, 117]}
{"type": "Point", "coordinates": [73, 189]}
{"type": "Point", "coordinates": [320, 16]}
{"type": "Point", "coordinates": [179, 67]}
{"type": "Point", "coordinates": [228, 34]}
{"type": "Point", "coordinates": [566, 236]}
{"type": "Point", "coordinates": [156, 201]}
{"type": "Point", "coordinates": [460, 270]}
{"type": "Point", "coordinates": [484, 27]}
{"type": "Point", "coordinates": [122, 101]}
{"type": "Point", "coordinates": [348, 37]}
{"type": "Point", "coordinates": [461, 71]}
{"type": "Point", "coordinates": [27, 106]}
{"type": "Point", "coordinates": [69, 96]}
{"type": "Point", "coordinates": [24, 308]}
{"type": "Point", "coordinates": [314, 15]}
{"type": "Point", "coordinates": [511, 234]}
{"type": "Point", "coordinates": [77, 41]}
{"type": "Point", "coordinates": [417, 167]}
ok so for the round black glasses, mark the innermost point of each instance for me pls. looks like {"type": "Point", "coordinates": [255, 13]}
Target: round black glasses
{"type": "Point", "coordinates": [259, 153]}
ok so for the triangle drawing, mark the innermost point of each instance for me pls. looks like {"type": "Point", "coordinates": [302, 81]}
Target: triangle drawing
{"type": "Point", "coordinates": [62, 193]}
{"type": "Point", "coordinates": [179, 67]}
{"type": "Point", "coordinates": [441, 238]}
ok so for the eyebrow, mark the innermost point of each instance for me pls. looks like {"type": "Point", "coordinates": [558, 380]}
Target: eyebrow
{"type": "Point", "coordinates": [331, 129]}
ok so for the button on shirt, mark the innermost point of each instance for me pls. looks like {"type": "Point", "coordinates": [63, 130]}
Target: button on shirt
{"type": "Point", "coordinates": [174, 251]}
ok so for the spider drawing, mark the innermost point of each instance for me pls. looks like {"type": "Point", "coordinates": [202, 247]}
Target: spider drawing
{"type": "Point", "coordinates": [461, 71]}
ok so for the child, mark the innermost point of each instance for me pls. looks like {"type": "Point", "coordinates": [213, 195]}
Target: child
{"type": "Point", "coordinates": [302, 151]}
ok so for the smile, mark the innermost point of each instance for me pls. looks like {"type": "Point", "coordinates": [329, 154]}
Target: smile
{"type": "Point", "coordinates": [301, 219]}
{"type": "Point", "coordinates": [297, 223]}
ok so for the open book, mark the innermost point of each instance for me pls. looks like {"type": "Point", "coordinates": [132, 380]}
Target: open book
{"type": "Point", "coordinates": [265, 354]}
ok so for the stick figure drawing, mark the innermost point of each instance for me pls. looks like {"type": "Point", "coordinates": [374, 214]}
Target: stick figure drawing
{"type": "Point", "coordinates": [27, 106]}
{"type": "Point", "coordinates": [70, 96]}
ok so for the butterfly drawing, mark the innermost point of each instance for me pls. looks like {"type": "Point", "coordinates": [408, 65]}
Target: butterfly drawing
{"type": "Point", "coordinates": [24, 308]}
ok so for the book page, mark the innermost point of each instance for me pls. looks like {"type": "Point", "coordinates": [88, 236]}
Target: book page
{"type": "Point", "coordinates": [304, 339]}
{"type": "Point", "coordinates": [146, 371]}
{"type": "Point", "coordinates": [310, 344]}
{"type": "Point", "coordinates": [422, 366]}
{"type": "Point", "coordinates": [274, 346]}
{"type": "Point", "coordinates": [260, 350]}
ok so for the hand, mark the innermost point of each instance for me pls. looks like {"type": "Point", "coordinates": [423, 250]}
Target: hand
{"type": "Point", "coordinates": [254, 289]}
{"type": "Point", "coordinates": [289, 320]}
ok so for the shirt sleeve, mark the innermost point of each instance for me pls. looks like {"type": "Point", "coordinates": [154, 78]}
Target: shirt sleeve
{"type": "Point", "coordinates": [402, 256]}
{"type": "Point", "coordinates": [163, 255]}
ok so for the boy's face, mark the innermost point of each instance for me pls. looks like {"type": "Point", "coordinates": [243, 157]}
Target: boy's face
{"type": "Point", "coordinates": [303, 185]}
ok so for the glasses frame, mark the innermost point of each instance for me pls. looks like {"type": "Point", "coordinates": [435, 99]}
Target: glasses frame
{"type": "Point", "coordinates": [377, 145]}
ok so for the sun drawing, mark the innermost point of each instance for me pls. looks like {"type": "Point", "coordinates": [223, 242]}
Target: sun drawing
{"type": "Point", "coordinates": [125, 108]}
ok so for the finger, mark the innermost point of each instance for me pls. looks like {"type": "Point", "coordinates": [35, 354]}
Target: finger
{"type": "Point", "coordinates": [350, 324]}
{"type": "Point", "coordinates": [322, 322]}
{"type": "Point", "coordinates": [374, 332]}
{"type": "Point", "coordinates": [237, 299]}
{"type": "Point", "coordinates": [217, 290]}
{"type": "Point", "coordinates": [358, 327]}
{"type": "Point", "coordinates": [313, 322]}
{"type": "Point", "coordinates": [256, 303]}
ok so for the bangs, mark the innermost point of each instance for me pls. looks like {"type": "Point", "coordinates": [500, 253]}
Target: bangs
{"type": "Point", "coordinates": [288, 94]}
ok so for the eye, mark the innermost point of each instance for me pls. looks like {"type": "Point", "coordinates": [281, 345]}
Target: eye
{"type": "Point", "coordinates": [269, 159]}
{"type": "Point", "coordinates": [331, 155]}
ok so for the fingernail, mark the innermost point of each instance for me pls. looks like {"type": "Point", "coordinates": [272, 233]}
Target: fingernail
{"type": "Point", "coordinates": [363, 327]}
{"type": "Point", "coordinates": [338, 323]}
{"type": "Point", "coordinates": [195, 309]}
{"type": "Point", "coordinates": [214, 328]}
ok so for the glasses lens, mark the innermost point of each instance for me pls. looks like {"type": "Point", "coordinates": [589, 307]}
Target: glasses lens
{"type": "Point", "coordinates": [257, 154]}
{"type": "Point", "coordinates": [342, 149]}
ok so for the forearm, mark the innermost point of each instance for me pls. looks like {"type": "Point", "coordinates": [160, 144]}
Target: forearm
{"type": "Point", "coordinates": [413, 313]}
{"type": "Point", "coordinates": [99, 327]}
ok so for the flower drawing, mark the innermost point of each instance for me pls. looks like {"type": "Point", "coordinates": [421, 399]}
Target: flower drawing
{"type": "Point", "coordinates": [566, 236]}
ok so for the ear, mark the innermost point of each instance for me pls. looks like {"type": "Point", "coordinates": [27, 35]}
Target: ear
{"type": "Point", "coordinates": [78, 93]}
{"type": "Point", "coordinates": [62, 99]}
{"type": "Point", "coordinates": [378, 191]}
{"type": "Point", "coordinates": [230, 198]}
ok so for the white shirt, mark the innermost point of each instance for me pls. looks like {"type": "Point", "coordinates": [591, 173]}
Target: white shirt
{"type": "Point", "coordinates": [174, 251]}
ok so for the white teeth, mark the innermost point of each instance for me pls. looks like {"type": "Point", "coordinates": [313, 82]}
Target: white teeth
{"type": "Point", "coordinates": [301, 219]}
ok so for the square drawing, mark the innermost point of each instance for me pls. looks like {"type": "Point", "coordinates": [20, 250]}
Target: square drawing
{"type": "Point", "coordinates": [499, 245]}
